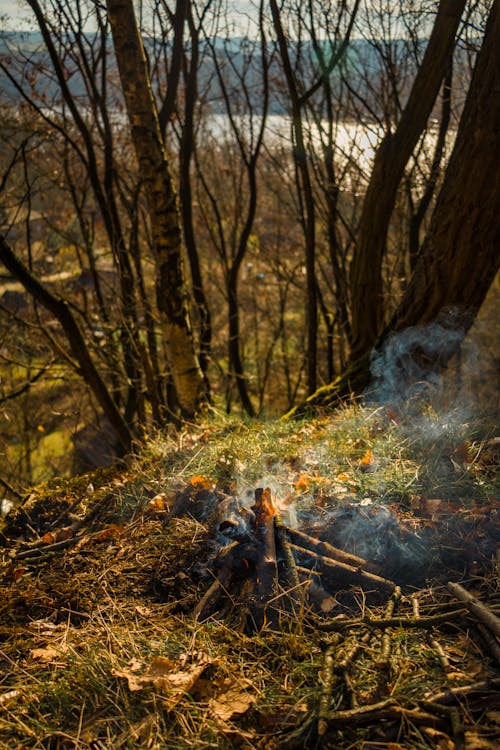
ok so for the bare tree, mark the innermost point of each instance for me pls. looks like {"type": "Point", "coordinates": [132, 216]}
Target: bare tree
{"type": "Point", "coordinates": [162, 201]}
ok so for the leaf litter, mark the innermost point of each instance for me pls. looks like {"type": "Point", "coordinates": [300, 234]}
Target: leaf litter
{"type": "Point", "coordinates": [99, 646]}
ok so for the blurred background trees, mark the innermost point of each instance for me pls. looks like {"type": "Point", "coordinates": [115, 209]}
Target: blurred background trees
{"type": "Point", "coordinates": [268, 185]}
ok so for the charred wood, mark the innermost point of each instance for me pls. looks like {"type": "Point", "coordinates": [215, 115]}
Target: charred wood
{"type": "Point", "coordinates": [344, 573]}
{"type": "Point", "coordinates": [327, 550]}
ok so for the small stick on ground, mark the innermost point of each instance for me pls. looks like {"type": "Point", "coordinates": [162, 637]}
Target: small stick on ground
{"type": "Point", "coordinates": [450, 695]}
{"type": "Point", "coordinates": [384, 660]}
{"type": "Point", "coordinates": [383, 711]}
{"type": "Point", "coordinates": [477, 608]}
{"type": "Point", "coordinates": [345, 573]}
{"type": "Point", "coordinates": [328, 550]}
{"type": "Point", "coordinates": [490, 642]}
{"type": "Point", "coordinates": [440, 653]}
{"type": "Point", "coordinates": [327, 680]}
{"type": "Point", "coordinates": [393, 622]}
{"type": "Point", "coordinates": [342, 668]}
{"type": "Point", "coordinates": [207, 603]}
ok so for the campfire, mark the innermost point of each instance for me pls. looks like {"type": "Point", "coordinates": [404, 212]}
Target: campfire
{"type": "Point", "coordinates": [272, 571]}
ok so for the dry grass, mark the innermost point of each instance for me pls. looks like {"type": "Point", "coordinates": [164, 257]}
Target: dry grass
{"type": "Point", "coordinates": [83, 626]}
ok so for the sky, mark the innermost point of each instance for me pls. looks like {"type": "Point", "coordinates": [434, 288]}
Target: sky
{"type": "Point", "coordinates": [20, 14]}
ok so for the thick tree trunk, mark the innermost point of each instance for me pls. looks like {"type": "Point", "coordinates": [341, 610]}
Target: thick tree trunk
{"type": "Point", "coordinates": [460, 256]}
{"type": "Point", "coordinates": [162, 203]}
{"type": "Point", "coordinates": [390, 162]}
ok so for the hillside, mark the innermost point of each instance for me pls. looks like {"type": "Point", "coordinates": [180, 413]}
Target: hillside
{"type": "Point", "coordinates": [270, 585]}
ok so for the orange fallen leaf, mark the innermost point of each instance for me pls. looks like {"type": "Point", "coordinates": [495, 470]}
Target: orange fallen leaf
{"type": "Point", "coordinates": [113, 530]}
{"type": "Point", "coordinates": [200, 482]}
{"type": "Point", "coordinates": [303, 482]}
{"type": "Point", "coordinates": [367, 463]}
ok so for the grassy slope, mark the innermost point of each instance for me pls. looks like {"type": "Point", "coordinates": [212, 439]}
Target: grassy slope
{"type": "Point", "coordinates": [99, 647]}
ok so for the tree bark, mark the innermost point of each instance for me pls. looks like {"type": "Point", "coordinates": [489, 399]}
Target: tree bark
{"type": "Point", "coordinates": [459, 258]}
{"type": "Point", "coordinates": [390, 162]}
{"type": "Point", "coordinates": [162, 204]}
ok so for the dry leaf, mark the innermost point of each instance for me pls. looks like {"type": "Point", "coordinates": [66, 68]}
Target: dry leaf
{"type": "Point", "coordinates": [200, 482]}
{"type": "Point", "coordinates": [49, 655]}
{"type": "Point", "coordinates": [367, 463]}
{"type": "Point", "coordinates": [158, 502]}
{"type": "Point", "coordinates": [233, 699]}
{"type": "Point", "coordinates": [143, 611]}
{"type": "Point", "coordinates": [4, 697]}
{"type": "Point", "coordinates": [474, 741]}
{"type": "Point", "coordinates": [303, 482]}
{"type": "Point", "coordinates": [161, 676]}
{"type": "Point", "coordinates": [493, 717]}
{"type": "Point", "coordinates": [112, 531]}
{"type": "Point", "coordinates": [441, 740]}
{"type": "Point", "coordinates": [391, 414]}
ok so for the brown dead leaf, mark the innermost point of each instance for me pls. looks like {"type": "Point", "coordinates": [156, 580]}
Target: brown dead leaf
{"type": "Point", "coordinates": [441, 740]}
{"type": "Point", "coordinates": [49, 655]}
{"type": "Point", "coordinates": [233, 698]}
{"type": "Point", "coordinates": [474, 741]}
{"type": "Point", "coordinates": [392, 414]}
{"type": "Point", "coordinates": [493, 717]}
{"type": "Point", "coordinates": [164, 676]}
{"type": "Point", "coordinates": [111, 532]}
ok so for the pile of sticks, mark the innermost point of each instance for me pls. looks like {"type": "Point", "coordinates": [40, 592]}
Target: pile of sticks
{"type": "Point", "coordinates": [271, 570]}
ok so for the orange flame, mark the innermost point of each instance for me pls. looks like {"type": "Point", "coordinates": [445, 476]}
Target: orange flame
{"type": "Point", "coordinates": [265, 506]}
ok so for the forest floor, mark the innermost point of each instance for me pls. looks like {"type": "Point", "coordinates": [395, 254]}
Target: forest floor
{"type": "Point", "coordinates": [164, 604]}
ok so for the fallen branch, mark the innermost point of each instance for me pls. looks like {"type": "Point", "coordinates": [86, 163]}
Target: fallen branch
{"type": "Point", "coordinates": [346, 573]}
{"type": "Point", "coordinates": [327, 680]}
{"type": "Point", "coordinates": [382, 711]}
{"type": "Point", "coordinates": [450, 695]}
{"type": "Point", "coordinates": [219, 586]}
{"type": "Point", "coordinates": [490, 642]}
{"type": "Point", "coordinates": [328, 550]}
{"type": "Point", "coordinates": [477, 608]}
{"type": "Point", "coordinates": [385, 653]}
{"type": "Point", "coordinates": [394, 622]}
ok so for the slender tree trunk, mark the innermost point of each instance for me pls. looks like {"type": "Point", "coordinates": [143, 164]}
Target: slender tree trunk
{"type": "Point", "coordinates": [62, 312]}
{"type": "Point", "coordinates": [306, 197]}
{"type": "Point", "coordinates": [390, 162]}
{"type": "Point", "coordinates": [418, 217]}
{"type": "Point", "coordinates": [185, 192]}
{"type": "Point", "coordinates": [162, 203]}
